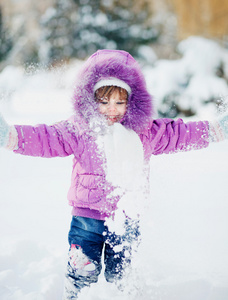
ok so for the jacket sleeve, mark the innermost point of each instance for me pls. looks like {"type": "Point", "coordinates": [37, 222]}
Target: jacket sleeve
{"type": "Point", "coordinates": [170, 136]}
{"type": "Point", "coordinates": [47, 141]}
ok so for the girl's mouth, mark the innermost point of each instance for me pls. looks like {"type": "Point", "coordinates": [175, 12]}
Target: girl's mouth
{"type": "Point", "coordinates": [113, 119]}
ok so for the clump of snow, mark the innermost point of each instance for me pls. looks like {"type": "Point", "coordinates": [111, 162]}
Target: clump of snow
{"type": "Point", "coordinates": [125, 170]}
{"type": "Point", "coordinates": [124, 155]}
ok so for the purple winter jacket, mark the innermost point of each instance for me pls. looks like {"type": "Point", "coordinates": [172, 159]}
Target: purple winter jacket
{"type": "Point", "coordinates": [89, 188]}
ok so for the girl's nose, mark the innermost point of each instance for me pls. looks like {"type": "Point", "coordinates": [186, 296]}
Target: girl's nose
{"type": "Point", "coordinates": [112, 107]}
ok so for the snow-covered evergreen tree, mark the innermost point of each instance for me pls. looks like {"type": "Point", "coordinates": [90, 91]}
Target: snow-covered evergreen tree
{"type": "Point", "coordinates": [57, 31]}
{"type": "Point", "coordinates": [5, 41]}
{"type": "Point", "coordinates": [79, 27]}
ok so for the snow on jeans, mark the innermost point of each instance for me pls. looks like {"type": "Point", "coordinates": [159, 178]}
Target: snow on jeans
{"type": "Point", "coordinates": [87, 238]}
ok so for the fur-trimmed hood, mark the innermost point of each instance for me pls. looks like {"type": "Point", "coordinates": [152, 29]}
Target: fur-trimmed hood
{"type": "Point", "coordinates": [118, 64]}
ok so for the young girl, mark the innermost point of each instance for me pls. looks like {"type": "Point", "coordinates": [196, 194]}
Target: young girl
{"type": "Point", "coordinates": [112, 108]}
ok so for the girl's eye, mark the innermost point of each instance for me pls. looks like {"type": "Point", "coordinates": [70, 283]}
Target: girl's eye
{"type": "Point", "coordinates": [103, 102]}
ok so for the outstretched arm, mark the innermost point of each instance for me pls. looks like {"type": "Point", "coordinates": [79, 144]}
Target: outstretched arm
{"type": "Point", "coordinates": [170, 136]}
{"type": "Point", "coordinates": [41, 140]}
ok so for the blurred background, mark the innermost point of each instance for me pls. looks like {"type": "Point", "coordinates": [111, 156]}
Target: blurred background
{"type": "Point", "coordinates": [178, 43]}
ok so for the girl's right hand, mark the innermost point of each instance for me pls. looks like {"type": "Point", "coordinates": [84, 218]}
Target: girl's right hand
{"type": "Point", "coordinates": [4, 132]}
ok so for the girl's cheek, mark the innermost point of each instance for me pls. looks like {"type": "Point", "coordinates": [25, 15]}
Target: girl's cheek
{"type": "Point", "coordinates": [124, 109]}
{"type": "Point", "coordinates": [101, 109]}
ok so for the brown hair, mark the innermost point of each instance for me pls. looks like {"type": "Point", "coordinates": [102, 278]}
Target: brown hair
{"type": "Point", "coordinates": [107, 91]}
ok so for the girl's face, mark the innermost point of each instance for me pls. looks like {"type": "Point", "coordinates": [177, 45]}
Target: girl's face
{"type": "Point", "coordinates": [113, 107]}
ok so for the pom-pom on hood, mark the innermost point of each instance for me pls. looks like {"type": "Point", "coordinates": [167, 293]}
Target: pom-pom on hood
{"type": "Point", "coordinates": [119, 64]}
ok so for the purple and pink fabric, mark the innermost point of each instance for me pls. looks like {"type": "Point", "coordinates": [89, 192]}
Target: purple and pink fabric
{"type": "Point", "coordinates": [89, 190]}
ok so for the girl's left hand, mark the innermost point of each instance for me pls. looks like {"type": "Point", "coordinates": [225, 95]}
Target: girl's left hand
{"type": "Point", "coordinates": [223, 122]}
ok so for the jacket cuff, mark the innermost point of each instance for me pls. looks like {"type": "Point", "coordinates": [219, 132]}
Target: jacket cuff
{"type": "Point", "coordinates": [216, 132]}
{"type": "Point", "coordinates": [12, 143]}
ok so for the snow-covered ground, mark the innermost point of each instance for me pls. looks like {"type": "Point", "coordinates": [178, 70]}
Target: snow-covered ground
{"type": "Point", "coordinates": [183, 255]}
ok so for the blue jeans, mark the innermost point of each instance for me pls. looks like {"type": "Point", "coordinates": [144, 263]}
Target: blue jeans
{"type": "Point", "coordinates": [87, 239]}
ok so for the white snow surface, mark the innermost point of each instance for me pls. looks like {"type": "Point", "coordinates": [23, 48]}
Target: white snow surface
{"type": "Point", "coordinates": [183, 253]}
